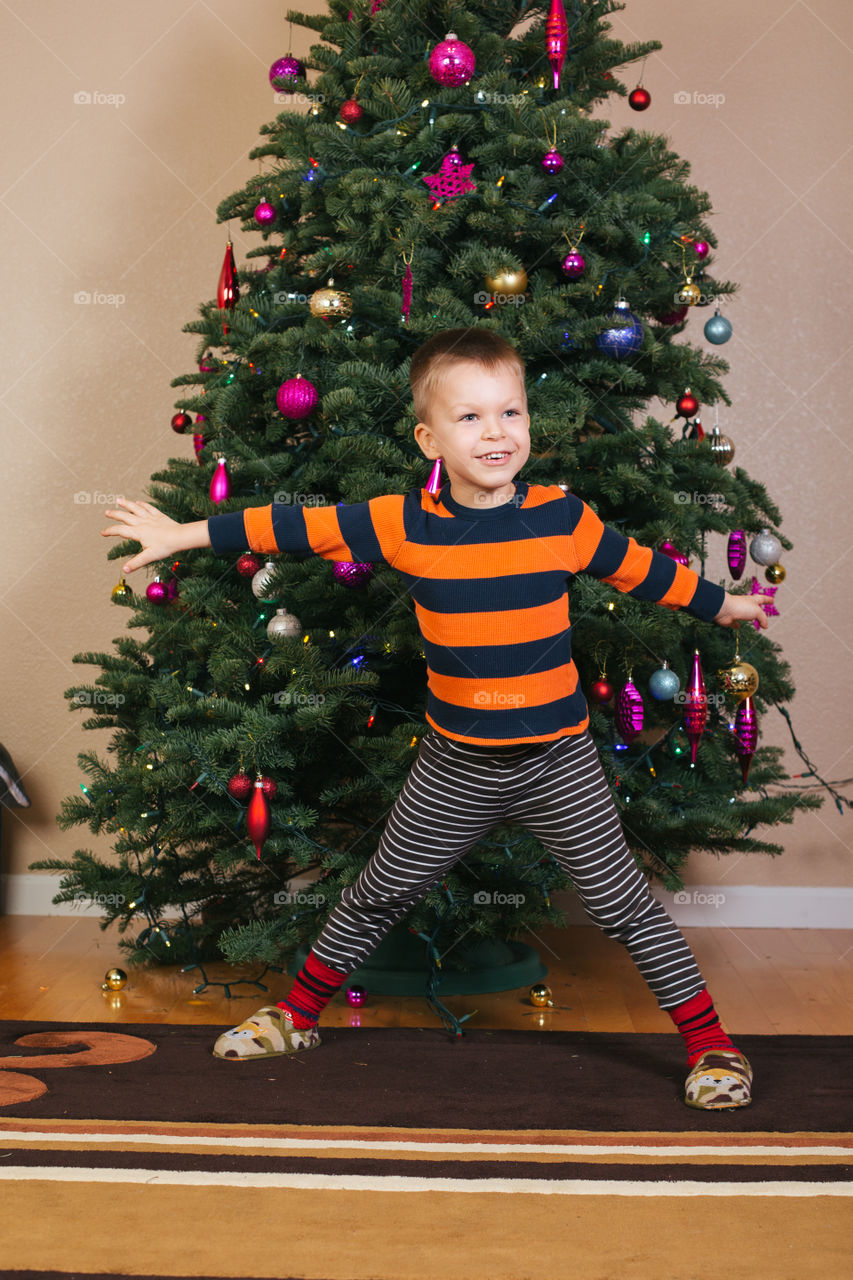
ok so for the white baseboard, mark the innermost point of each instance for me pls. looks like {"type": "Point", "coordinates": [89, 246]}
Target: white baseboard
{"type": "Point", "coordinates": [737, 906]}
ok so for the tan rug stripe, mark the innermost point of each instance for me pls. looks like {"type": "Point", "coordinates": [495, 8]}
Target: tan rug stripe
{"type": "Point", "coordinates": [218, 1232]}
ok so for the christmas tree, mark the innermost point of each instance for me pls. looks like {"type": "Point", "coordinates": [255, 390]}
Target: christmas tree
{"type": "Point", "coordinates": [449, 171]}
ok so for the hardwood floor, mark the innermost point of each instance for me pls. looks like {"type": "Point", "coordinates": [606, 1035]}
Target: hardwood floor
{"type": "Point", "coordinates": [763, 981]}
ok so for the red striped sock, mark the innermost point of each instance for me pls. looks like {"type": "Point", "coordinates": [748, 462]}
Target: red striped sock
{"type": "Point", "coordinates": [313, 988]}
{"type": "Point", "coordinates": [699, 1025]}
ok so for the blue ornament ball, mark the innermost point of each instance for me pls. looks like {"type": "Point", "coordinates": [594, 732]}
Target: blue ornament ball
{"type": "Point", "coordinates": [625, 339]}
{"type": "Point", "coordinates": [718, 329]}
{"type": "Point", "coordinates": [664, 684]}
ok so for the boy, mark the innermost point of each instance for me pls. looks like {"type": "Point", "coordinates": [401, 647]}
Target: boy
{"type": "Point", "coordinates": [487, 560]}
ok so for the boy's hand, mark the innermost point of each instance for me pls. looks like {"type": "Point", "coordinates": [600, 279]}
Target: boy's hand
{"type": "Point", "coordinates": [737, 609]}
{"type": "Point", "coordinates": [158, 533]}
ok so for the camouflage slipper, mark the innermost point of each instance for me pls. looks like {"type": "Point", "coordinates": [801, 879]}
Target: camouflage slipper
{"type": "Point", "coordinates": [720, 1079]}
{"type": "Point", "coordinates": [266, 1034]}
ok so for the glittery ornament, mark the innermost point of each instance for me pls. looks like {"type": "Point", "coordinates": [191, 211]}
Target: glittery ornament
{"type": "Point", "coordinates": [667, 549]}
{"type": "Point", "coordinates": [509, 282]}
{"type": "Point", "coordinates": [248, 565]}
{"type": "Point", "coordinates": [297, 397]}
{"type": "Point", "coordinates": [601, 691]}
{"type": "Point", "coordinates": [199, 441]}
{"type": "Point", "coordinates": [695, 706]}
{"type": "Point", "coordinates": [121, 593]}
{"type": "Point", "coordinates": [452, 62]}
{"type": "Point", "coordinates": [626, 335]}
{"type": "Point", "coordinates": [330, 303]}
{"type": "Point", "coordinates": [240, 786]}
{"type": "Point", "coordinates": [769, 607]}
{"type": "Point", "coordinates": [629, 711]}
{"type": "Point", "coordinates": [722, 447]}
{"type": "Point", "coordinates": [352, 573]}
{"type": "Point", "coordinates": [664, 683]}
{"type": "Point", "coordinates": [408, 281]}
{"type": "Point", "coordinates": [115, 979]}
{"type": "Point", "coordinates": [687, 404]}
{"type": "Point", "coordinates": [540, 996]}
{"type": "Point", "coordinates": [452, 179]}
{"type": "Point", "coordinates": [718, 329]}
{"type": "Point", "coordinates": [285, 72]}
{"type": "Point", "coordinates": [688, 293]}
{"type": "Point", "coordinates": [740, 680]}
{"type": "Point", "coordinates": [433, 485]}
{"type": "Point", "coordinates": [765, 548]}
{"type": "Point", "coordinates": [262, 583]}
{"type": "Point", "coordinates": [220, 484]}
{"type": "Point", "coordinates": [775, 573]}
{"type": "Point", "coordinates": [746, 735]}
{"type": "Point", "coordinates": [556, 39]}
{"type": "Point", "coordinates": [736, 553]}
{"type": "Point", "coordinates": [156, 591]}
{"type": "Point", "coordinates": [258, 817]}
{"type": "Point", "coordinates": [180, 422]}
{"type": "Point", "coordinates": [553, 162]}
{"type": "Point", "coordinates": [228, 290]}
{"type": "Point", "coordinates": [265, 214]}
{"type": "Point", "coordinates": [639, 99]}
{"type": "Point", "coordinates": [283, 625]}
{"type": "Point", "coordinates": [574, 265]}
{"type": "Point", "coordinates": [269, 786]}
{"type": "Point", "coordinates": [355, 996]}
{"type": "Point", "coordinates": [351, 111]}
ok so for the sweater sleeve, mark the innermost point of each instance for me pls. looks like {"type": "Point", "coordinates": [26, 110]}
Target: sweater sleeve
{"type": "Point", "coordinates": [638, 571]}
{"type": "Point", "coordinates": [362, 531]}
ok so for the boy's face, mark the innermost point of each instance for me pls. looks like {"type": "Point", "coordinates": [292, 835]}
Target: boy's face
{"type": "Point", "coordinates": [473, 414]}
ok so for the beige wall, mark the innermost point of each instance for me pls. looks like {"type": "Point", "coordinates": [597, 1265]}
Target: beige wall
{"type": "Point", "coordinates": [121, 199]}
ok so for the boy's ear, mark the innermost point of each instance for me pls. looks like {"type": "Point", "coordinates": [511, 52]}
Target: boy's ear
{"type": "Point", "coordinates": [426, 441]}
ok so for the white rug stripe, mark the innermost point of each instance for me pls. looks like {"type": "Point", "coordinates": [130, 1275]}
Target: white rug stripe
{"type": "Point", "coordinates": [351, 1182]}
{"type": "Point", "coordinates": [449, 1148]}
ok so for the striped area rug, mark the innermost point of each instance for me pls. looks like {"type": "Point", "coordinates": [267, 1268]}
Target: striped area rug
{"type": "Point", "coordinates": [400, 1153]}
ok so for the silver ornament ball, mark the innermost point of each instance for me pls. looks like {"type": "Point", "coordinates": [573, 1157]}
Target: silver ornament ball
{"type": "Point", "coordinates": [765, 548]}
{"type": "Point", "coordinates": [283, 625]}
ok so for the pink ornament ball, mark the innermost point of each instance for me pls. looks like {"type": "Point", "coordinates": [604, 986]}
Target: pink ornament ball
{"type": "Point", "coordinates": [574, 265]}
{"type": "Point", "coordinates": [452, 62]}
{"type": "Point", "coordinates": [356, 996]}
{"type": "Point", "coordinates": [553, 162]}
{"type": "Point", "coordinates": [297, 397]}
{"type": "Point", "coordinates": [284, 73]}
{"type": "Point", "coordinates": [264, 214]}
{"type": "Point", "coordinates": [679, 557]}
{"type": "Point", "coordinates": [156, 591]}
{"type": "Point", "coordinates": [199, 442]}
{"type": "Point", "coordinates": [701, 248]}
{"type": "Point", "coordinates": [352, 573]}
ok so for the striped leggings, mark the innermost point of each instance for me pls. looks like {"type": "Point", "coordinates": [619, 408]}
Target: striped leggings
{"type": "Point", "coordinates": [455, 793]}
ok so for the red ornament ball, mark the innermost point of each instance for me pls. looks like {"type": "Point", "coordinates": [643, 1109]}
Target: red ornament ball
{"type": "Point", "coordinates": [639, 99]}
{"type": "Point", "coordinates": [269, 787]}
{"type": "Point", "coordinates": [240, 786]}
{"type": "Point", "coordinates": [248, 565]}
{"type": "Point", "coordinates": [264, 213]}
{"type": "Point", "coordinates": [601, 691]}
{"type": "Point", "coordinates": [673, 317]}
{"type": "Point", "coordinates": [180, 422]}
{"type": "Point", "coordinates": [687, 405]}
{"type": "Point", "coordinates": [351, 112]}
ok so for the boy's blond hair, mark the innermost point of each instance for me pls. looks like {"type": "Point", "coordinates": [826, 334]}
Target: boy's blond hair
{"type": "Point", "coordinates": [434, 357]}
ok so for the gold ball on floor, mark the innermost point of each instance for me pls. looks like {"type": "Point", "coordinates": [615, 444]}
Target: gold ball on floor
{"type": "Point", "coordinates": [540, 996]}
{"type": "Point", "coordinates": [114, 980]}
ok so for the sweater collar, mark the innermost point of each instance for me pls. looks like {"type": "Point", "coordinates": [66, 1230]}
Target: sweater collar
{"type": "Point", "coordinates": [499, 512]}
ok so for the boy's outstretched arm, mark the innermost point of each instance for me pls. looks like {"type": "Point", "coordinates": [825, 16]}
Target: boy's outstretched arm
{"type": "Point", "coordinates": [737, 609]}
{"type": "Point", "coordinates": [161, 537]}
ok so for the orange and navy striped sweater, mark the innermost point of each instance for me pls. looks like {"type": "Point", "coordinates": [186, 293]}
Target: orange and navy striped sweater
{"type": "Point", "coordinates": [491, 593]}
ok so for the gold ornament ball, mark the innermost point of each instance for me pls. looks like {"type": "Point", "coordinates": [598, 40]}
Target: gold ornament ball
{"type": "Point", "coordinates": [689, 294]}
{"type": "Point", "coordinates": [740, 679]}
{"type": "Point", "coordinates": [330, 303]}
{"type": "Point", "coordinates": [775, 573]}
{"type": "Point", "coordinates": [114, 980]}
{"type": "Point", "coordinates": [121, 593]}
{"type": "Point", "coordinates": [722, 448]}
{"type": "Point", "coordinates": [508, 281]}
{"type": "Point", "coordinates": [540, 996]}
